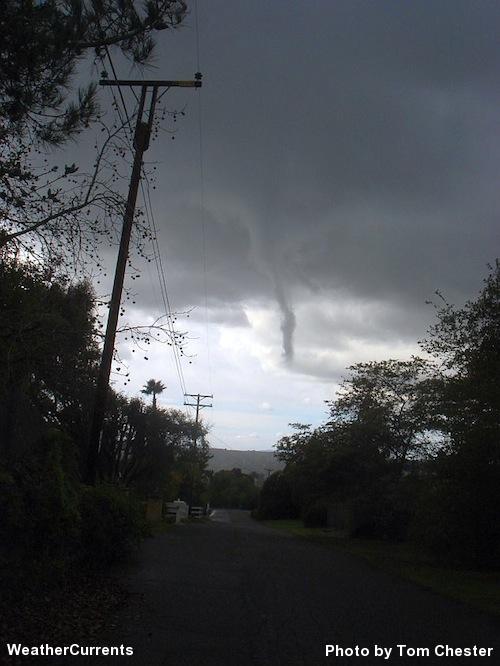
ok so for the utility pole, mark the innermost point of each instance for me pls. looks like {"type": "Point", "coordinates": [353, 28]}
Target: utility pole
{"type": "Point", "coordinates": [141, 144]}
{"type": "Point", "coordinates": [199, 406]}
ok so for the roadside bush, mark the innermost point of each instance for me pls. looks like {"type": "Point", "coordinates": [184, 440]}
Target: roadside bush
{"type": "Point", "coordinates": [275, 500]}
{"type": "Point", "coordinates": [39, 500]}
{"type": "Point", "coordinates": [112, 524]}
{"type": "Point", "coordinates": [315, 515]}
{"type": "Point", "coordinates": [49, 520]}
{"type": "Point", "coordinates": [340, 515]}
{"type": "Point", "coordinates": [442, 525]}
{"type": "Point", "coordinates": [459, 524]}
{"type": "Point", "coordinates": [386, 511]}
{"type": "Point", "coordinates": [12, 510]}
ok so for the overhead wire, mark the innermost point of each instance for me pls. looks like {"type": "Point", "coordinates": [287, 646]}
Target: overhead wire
{"type": "Point", "coordinates": [163, 283]}
{"type": "Point", "coordinates": [219, 439]}
{"type": "Point", "coordinates": [202, 201]}
{"type": "Point", "coordinates": [115, 76]}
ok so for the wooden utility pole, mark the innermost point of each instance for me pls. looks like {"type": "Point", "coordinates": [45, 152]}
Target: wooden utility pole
{"type": "Point", "coordinates": [199, 406]}
{"type": "Point", "coordinates": [141, 144]}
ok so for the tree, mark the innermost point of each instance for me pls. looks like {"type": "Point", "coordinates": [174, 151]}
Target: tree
{"type": "Point", "coordinates": [411, 447]}
{"type": "Point", "coordinates": [464, 499]}
{"type": "Point", "coordinates": [48, 356]}
{"type": "Point", "coordinates": [466, 341]}
{"type": "Point", "coordinates": [42, 205]}
{"type": "Point", "coordinates": [355, 466]}
{"type": "Point", "coordinates": [388, 403]}
{"type": "Point", "coordinates": [153, 387]}
{"type": "Point", "coordinates": [151, 450]}
{"type": "Point", "coordinates": [231, 489]}
{"type": "Point", "coordinates": [43, 43]}
{"type": "Point", "coordinates": [291, 448]}
{"type": "Point", "coordinates": [275, 500]}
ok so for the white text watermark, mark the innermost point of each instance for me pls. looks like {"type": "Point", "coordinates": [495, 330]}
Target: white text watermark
{"type": "Point", "coordinates": [402, 650]}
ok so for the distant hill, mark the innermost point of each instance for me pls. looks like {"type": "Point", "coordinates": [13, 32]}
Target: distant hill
{"type": "Point", "coordinates": [248, 461]}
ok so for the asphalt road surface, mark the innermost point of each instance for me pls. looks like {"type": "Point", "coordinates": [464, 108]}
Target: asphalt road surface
{"type": "Point", "coordinates": [232, 592]}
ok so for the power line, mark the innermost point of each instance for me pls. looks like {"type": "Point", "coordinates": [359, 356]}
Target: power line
{"type": "Point", "coordinates": [202, 203]}
{"type": "Point", "coordinates": [219, 439]}
{"type": "Point", "coordinates": [163, 286]}
{"type": "Point", "coordinates": [197, 33]}
{"type": "Point", "coordinates": [119, 90]}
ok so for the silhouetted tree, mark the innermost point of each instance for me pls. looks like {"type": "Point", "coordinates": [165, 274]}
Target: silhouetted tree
{"type": "Point", "coordinates": [232, 489]}
{"type": "Point", "coordinates": [411, 447]}
{"type": "Point", "coordinates": [48, 356]}
{"type": "Point", "coordinates": [275, 499]}
{"type": "Point", "coordinates": [388, 402]}
{"type": "Point", "coordinates": [44, 205]}
{"type": "Point", "coordinates": [460, 514]}
{"type": "Point", "coordinates": [153, 387]}
{"type": "Point", "coordinates": [151, 449]}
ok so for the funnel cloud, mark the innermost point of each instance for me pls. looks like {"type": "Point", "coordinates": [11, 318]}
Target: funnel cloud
{"type": "Point", "coordinates": [288, 322]}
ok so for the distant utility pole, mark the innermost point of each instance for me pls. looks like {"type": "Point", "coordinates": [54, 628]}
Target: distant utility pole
{"type": "Point", "coordinates": [199, 405]}
{"type": "Point", "coordinates": [141, 144]}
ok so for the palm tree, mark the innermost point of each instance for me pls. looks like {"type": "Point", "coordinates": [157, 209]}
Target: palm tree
{"type": "Point", "coordinates": [153, 387]}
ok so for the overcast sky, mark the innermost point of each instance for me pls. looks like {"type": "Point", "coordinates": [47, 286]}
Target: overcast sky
{"type": "Point", "coordinates": [351, 163]}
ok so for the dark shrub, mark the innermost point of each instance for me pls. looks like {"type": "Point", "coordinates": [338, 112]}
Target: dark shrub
{"type": "Point", "coordinates": [275, 500]}
{"type": "Point", "coordinates": [232, 489]}
{"type": "Point", "coordinates": [385, 511]}
{"type": "Point", "coordinates": [459, 524]}
{"type": "Point", "coordinates": [13, 513]}
{"type": "Point", "coordinates": [442, 524]}
{"type": "Point", "coordinates": [39, 500]}
{"type": "Point", "coordinates": [315, 515]}
{"type": "Point", "coordinates": [112, 524]}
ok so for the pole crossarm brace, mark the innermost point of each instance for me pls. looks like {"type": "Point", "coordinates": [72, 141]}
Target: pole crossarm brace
{"type": "Point", "coordinates": [198, 404]}
{"type": "Point", "coordinates": [154, 84]}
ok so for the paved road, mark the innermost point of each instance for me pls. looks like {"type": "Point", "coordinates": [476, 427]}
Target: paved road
{"type": "Point", "coordinates": [233, 593]}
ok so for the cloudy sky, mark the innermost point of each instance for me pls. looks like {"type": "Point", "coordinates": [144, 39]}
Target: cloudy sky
{"type": "Point", "coordinates": [350, 168]}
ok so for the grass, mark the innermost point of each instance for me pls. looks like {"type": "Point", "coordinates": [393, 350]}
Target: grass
{"type": "Point", "coordinates": [480, 589]}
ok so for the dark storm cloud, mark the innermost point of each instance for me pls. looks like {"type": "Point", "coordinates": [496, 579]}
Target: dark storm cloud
{"type": "Point", "coordinates": [347, 145]}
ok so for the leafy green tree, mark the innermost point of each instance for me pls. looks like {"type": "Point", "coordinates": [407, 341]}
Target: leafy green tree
{"type": "Point", "coordinates": [338, 464]}
{"type": "Point", "coordinates": [231, 489]}
{"type": "Point", "coordinates": [275, 499]}
{"type": "Point", "coordinates": [387, 402]}
{"type": "Point", "coordinates": [291, 448]}
{"type": "Point", "coordinates": [460, 513]}
{"type": "Point", "coordinates": [466, 341]}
